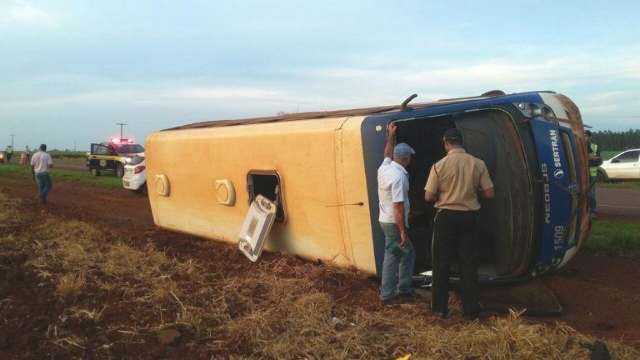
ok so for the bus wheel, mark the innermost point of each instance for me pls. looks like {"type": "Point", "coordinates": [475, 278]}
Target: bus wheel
{"type": "Point", "coordinates": [119, 170]}
{"type": "Point", "coordinates": [95, 172]}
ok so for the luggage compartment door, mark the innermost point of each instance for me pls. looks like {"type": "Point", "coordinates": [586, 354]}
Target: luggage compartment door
{"type": "Point", "coordinates": [256, 227]}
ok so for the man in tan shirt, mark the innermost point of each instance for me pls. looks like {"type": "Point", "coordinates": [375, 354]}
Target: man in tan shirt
{"type": "Point", "coordinates": [454, 184]}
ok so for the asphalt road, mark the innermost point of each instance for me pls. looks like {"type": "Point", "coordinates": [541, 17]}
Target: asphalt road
{"type": "Point", "coordinates": [618, 203]}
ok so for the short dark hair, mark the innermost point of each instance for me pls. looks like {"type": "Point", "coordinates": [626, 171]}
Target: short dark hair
{"type": "Point", "coordinates": [587, 132]}
{"type": "Point", "coordinates": [43, 147]}
{"type": "Point", "coordinates": [453, 136]}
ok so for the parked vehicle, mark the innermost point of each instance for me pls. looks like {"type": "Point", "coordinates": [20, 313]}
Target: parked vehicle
{"type": "Point", "coordinates": [319, 169]}
{"type": "Point", "coordinates": [624, 166]}
{"type": "Point", "coordinates": [112, 156]}
{"type": "Point", "coordinates": [2, 157]}
{"type": "Point", "coordinates": [135, 178]}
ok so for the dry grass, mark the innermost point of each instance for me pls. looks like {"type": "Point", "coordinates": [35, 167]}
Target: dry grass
{"type": "Point", "coordinates": [9, 211]}
{"type": "Point", "coordinates": [304, 327]}
{"type": "Point", "coordinates": [114, 300]}
{"type": "Point", "coordinates": [69, 246]}
{"type": "Point", "coordinates": [70, 285]}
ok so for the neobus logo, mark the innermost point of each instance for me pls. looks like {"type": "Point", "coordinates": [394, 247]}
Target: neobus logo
{"type": "Point", "coordinates": [546, 193]}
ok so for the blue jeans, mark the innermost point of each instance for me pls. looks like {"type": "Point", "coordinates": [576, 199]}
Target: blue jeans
{"type": "Point", "coordinates": [44, 185]}
{"type": "Point", "coordinates": [397, 270]}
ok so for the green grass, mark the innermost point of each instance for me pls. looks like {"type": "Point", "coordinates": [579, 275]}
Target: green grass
{"type": "Point", "coordinates": [614, 238]}
{"type": "Point", "coordinates": [64, 175]}
{"type": "Point", "coordinates": [57, 154]}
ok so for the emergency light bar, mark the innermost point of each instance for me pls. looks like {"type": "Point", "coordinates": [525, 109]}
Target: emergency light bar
{"type": "Point", "coordinates": [122, 141]}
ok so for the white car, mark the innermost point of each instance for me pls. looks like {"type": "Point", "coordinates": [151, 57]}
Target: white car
{"type": "Point", "coordinates": [135, 176]}
{"type": "Point", "coordinates": [624, 166]}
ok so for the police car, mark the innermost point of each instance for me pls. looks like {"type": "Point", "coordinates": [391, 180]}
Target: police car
{"type": "Point", "coordinates": [135, 178]}
{"type": "Point", "coordinates": [112, 156]}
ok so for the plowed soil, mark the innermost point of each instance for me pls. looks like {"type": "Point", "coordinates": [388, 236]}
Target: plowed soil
{"type": "Point", "coordinates": [600, 295]}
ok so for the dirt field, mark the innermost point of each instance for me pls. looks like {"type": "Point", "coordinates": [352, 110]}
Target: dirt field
{"type": "Point", "coordinates": [71, 164]}
{"type": "Point", "coordinates": [600, 295]}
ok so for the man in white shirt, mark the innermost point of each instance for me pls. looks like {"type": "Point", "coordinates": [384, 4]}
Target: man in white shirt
{"type": "Point", "coordinates": [40, 164]}
{"type": "Point", "coordinates": [393, 195]}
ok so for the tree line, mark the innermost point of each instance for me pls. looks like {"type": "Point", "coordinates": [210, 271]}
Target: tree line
{"type": "Point", "coordinates": [617, 140]}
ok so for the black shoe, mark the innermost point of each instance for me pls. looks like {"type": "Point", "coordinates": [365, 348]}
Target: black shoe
{"type": "Point", "coordinates": [393, 301]}
{"type": "Point", "coordinates": [441, 315]}
{"type": "Point", "coordinates": [410, 296]}
{"type": "Point", "coordinates": [477, 316]}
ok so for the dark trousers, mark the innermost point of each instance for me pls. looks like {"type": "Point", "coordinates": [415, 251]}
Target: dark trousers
{"type": "Point", "coordinates": [591, 195]}
{"type": "Point", "coordinates": [455, 234]}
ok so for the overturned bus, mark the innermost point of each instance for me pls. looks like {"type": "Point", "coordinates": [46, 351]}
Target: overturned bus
{"type": "Point", "coordinates": [319, 171]}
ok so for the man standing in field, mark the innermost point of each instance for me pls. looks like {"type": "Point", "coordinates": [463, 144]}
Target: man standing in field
{"type": "Point", "coordinates": [40, 164]}
{"type": "Point", "coordinates": [454, 184]}
{"type": "Point", "coordinates": [393, 194]}
{"type": "Point", "coordinates": [594, 159]}
{"type": "Point", "coordinates": [9, 153]}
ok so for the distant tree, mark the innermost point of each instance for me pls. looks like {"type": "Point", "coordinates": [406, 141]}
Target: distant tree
{"type": "Point", "coordinates": [618, 140]}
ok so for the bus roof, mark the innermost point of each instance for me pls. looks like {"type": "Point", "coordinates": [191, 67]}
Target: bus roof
{"type": "Point", "coordinates": [340, 113]}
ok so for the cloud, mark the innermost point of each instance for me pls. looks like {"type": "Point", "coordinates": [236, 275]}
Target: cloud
{"type": "Point", "coordinates": [574, 68]}
{"type": "Point", "coordinates": [603, 87]}
{"type": "Point", "coordinates": [620, 106]}
{"type": "Point", "coordinates": [223, 93]}
{"type": "Point", "coordinates": [250, 98]}
{"type": "Point", "coordinates": [154, 95]}
{"type": "Point", "coordinates": [18, 12]}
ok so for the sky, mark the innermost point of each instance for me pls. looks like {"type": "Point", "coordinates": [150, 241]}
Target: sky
{"type": "Point", "coordinates": [71, 69]}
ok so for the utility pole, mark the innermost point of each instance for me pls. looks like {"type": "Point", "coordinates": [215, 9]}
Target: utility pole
{"type": "Point", "coordinates": [122, 125]}
{"type": "Point", "coordinates": [12, 136]}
